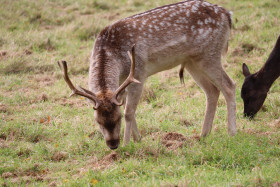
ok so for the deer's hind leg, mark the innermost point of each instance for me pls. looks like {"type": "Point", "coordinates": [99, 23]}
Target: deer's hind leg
{"type": "Point", "coordinates": [212, 95]}
{"type": "Point", "coordinates": [215, 72]}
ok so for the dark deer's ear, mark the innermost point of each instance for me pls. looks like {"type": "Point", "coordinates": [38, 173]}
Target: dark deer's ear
{"type": "Point", "coordinates": [245, 70]}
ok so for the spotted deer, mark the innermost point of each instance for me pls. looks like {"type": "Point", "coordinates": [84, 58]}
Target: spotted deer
{"type": "Point", "coordinates": [193, 34]}
{"type": "Point", "coordinates": [256, 86]}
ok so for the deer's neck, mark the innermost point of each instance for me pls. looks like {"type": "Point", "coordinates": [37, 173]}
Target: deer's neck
{"type": "Point", "coordinates": [104, 72]}
{"type": "Point", "coordinates": [271, 69]}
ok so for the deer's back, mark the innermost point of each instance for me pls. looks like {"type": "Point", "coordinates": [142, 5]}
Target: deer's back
{"type": "Point", "coordinates": [170, 34]}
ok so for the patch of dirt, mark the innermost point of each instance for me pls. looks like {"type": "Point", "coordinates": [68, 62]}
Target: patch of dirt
{"type": "Point", "coordinates": [27, 176]}
{"type": "Point", "coordinates": [44, 97]}
{"type": "Point", "coordinates": [173, 140]}
{"type": "Point", "coordinates": [8, 137]}
{"type": "Point", "coordinates": [4, 109]}
{"type": "Point", "coordinates": [3, 137]}
{"type": "Point", "coordinates": [174, 136]}
{"type": "Point", "coordinates": [99, 164]}
{"type": "Point", "coordinates": [52, 184]}
{"type": "Point", "coordinates": [6, 175]}
{"type": "Point", "coordinates": [111, 157]}
{"type": "Point", "coordinates": [3, 53]}
{"type": "Point", "coordinates": [59, 156]}
{"type": "Point", "coordinates": [173, 145]}
{"type": "Point", "coordinates": [3, 144]}
{"type": "Point", "coordinates": [27, 52]}
{"type": "Point", "coordinates": [26, 179]}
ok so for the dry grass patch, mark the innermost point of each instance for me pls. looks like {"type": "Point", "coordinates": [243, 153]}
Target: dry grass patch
{"type": "Point", "coordinates": [3, 144]}
{"type": "Point", "coordinates": [59, 156]}
{"type": "Point", "coordinates": [101, 164]}
{"type": "Point", "coordinates": [174, 140]}
{"type": "Point", "coordinates": [4, 109]}
{"type": "Point", "coordinates": [34, 173]}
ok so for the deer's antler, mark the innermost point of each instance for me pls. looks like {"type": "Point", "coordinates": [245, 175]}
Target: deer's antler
{"type": "Point", "coordinates": [80, 91]}
{"type": "Point", "coordinates": [130, 79]}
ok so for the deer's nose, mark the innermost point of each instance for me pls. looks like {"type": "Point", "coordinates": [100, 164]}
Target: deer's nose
{"type": "Point", "coordinates": [249, 115]}
{"type": "Point", "coordinates": [113, 144]}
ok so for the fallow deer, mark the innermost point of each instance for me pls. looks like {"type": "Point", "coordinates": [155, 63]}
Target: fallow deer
{"type": "Point", "coordinates": [256, 86]}
{"type": "Point", "coordinates": [192, 33]}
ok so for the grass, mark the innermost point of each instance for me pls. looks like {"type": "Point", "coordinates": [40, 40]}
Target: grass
{"type": "Point", "coordinates": [47, 138]}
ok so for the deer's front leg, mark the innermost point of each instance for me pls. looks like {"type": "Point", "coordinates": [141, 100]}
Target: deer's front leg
{"type": "Point", "coordinates": [133, 96]}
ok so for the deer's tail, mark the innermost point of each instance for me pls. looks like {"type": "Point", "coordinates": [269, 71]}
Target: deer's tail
{"type": "Point", "coordinates": [181, 74]}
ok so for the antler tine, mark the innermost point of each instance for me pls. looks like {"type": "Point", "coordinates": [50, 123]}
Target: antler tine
{"type": "Point", "coordinates": [130, 79]}
{"type": "Point", "coordinates": [85, 93]}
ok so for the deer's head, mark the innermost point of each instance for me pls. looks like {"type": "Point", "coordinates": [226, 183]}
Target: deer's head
{"type": "Point", "coordinates": [252, 93]}
{"type": "Point", "coordinates": [106, 105]}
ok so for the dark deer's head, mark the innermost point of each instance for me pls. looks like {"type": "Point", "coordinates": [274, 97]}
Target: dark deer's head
{"type": "Point", "coordinates": [253, 93]}
{"type": "Point", "coordinates": [255, 87]}
{"type": "Point", "coordinates": [106, 105]}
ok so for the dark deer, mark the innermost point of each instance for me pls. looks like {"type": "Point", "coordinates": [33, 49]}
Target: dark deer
{"type": "Point", "coordinates": [256, 86]}
{"type": "Point", "coordinates": [192, 33]}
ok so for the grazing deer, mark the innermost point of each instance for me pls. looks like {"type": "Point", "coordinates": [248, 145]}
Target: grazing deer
{"type": "Point", "coordinates": [192, 33]}
{"type": "Point", "coordinates": [256, 86]}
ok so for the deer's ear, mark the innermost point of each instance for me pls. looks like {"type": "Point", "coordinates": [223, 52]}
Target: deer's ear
{"type": "Point", "coordinates": [245, 70]}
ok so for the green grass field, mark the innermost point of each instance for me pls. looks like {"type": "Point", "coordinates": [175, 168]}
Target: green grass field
{"type": "Point", "coordinates": [47, 138]}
